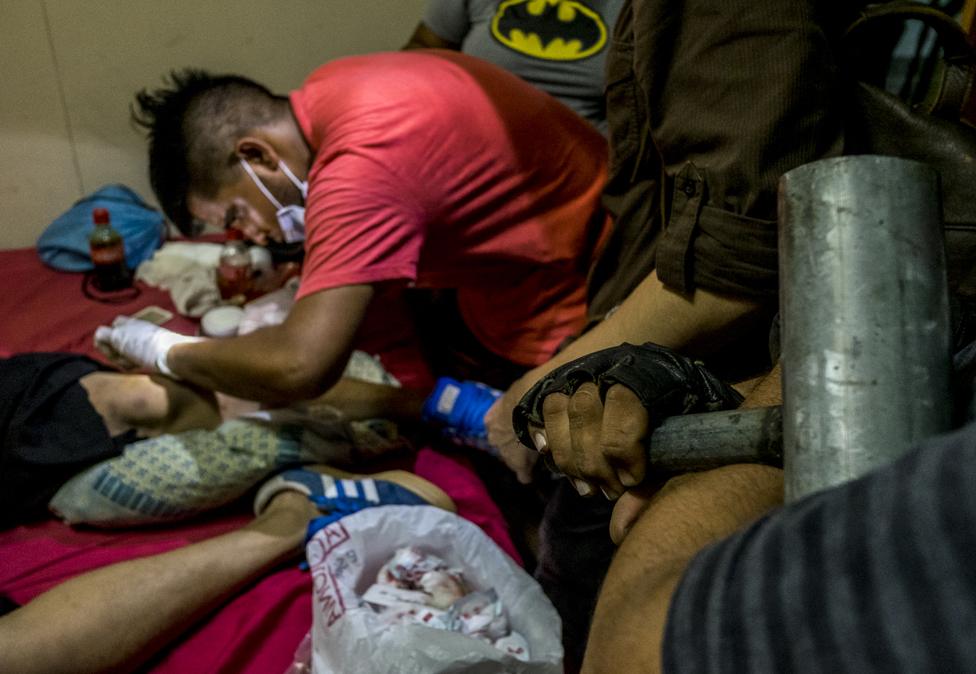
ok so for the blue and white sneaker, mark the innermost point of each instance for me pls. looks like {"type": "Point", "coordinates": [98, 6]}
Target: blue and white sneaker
{"type": "Point", "coordinates": [458, 409]}
{"type": "Point", "coordinates": [337, 493]}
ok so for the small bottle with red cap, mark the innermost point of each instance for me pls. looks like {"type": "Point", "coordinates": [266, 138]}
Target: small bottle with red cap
{"type": "Point", "coordinates": [234, 269]}
{"type": "Point", "coordinates": [108, 254]}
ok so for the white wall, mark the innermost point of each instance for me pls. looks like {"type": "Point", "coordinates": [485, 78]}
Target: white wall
{"type": "Point", "coordinates": [69, 69]}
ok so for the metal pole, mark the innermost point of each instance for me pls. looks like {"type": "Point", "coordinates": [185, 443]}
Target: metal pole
{"type": "Point", "coordinates": [865, 316]}
{"type": "Point", "coordinates": [712, 439]}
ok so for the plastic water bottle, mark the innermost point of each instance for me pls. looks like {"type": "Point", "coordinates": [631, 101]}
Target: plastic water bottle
{"type": "Point", "coordinates": [458, 409]}
{"type": "Point", "coordinates": [108, 254]}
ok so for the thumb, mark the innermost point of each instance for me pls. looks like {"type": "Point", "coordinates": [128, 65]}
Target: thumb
{"type": "Point", "coordinates": [627, 511]}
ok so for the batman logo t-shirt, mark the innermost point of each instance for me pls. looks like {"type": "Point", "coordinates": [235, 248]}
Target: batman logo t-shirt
{"type": "Point", "coordinates": [558, 45]}
{"type": "Point", "coordinates": [566, 30]}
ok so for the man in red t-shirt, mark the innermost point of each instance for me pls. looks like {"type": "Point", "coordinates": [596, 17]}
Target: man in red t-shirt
{"type": "Point", "coordinates": [431, 169]}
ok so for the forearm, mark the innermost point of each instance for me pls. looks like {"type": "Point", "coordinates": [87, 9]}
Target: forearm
{"type": "Point", "coordinates": [690, 512]}
{"type": "Point", "coordinates": [696, 325]}
{"type": "Point", "coordinates": [296, 360]}
{"type": "Point", "coordinates": [766, 391]}
{"type": "Point", "coordinates": [266, 365]}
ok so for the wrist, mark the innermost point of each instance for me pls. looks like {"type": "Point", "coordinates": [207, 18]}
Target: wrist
{"type": "Point", "coordinates": [164, 361]}
{"type": "Point", "coordinates": [162, 365]}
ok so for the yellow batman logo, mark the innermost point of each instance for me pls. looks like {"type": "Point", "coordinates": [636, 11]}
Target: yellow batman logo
{"type": "Point", "coordinates": [555, 30]}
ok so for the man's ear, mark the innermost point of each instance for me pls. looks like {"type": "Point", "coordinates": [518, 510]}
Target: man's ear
{"type": "Point", "coordinates": [257, 151]}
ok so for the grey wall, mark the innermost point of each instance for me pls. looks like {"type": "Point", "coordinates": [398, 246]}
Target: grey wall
{"type": "Point", "coordinates": [69, 68]}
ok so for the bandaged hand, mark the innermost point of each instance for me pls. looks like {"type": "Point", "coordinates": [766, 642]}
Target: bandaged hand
{"type": "Point", "coordinates": [135, 344]}
{"type": "Point", "coordinates": [594, 415]}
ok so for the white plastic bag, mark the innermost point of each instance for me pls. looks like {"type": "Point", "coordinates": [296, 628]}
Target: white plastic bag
{"type": "Point", "coordinates": [348, 637]}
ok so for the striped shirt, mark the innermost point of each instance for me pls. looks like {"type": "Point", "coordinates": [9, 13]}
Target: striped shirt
{"type": "Point", "coordinates": [878, 575]}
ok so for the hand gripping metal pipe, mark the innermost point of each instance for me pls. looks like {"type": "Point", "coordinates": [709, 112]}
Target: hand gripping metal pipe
{"type": "Point", "coordinates": [864, 314]}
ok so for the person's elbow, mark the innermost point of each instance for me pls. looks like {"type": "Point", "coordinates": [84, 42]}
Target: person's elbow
{"type": "Point", "coordinates": [295, 370]}
{"type": "Point", "coordinates": [302, 376]}
{"type": "Point", "coordinates": [312, 346]}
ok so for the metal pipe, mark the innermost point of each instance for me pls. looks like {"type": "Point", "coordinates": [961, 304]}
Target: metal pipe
{"type": "Point", "coordinates": [712, 439]}
{"type": "Point", "coordinates": [865, 316]}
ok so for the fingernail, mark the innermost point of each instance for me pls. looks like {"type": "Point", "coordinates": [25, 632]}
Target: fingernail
{"type": "Point", "coordinates": [608, 495]}
{"type": "Point", "coordinates": [582, 487]}
{"type": "Point", "coordinates": [626, 479]}
{"type": "Point", "coordinates": [540, 442]}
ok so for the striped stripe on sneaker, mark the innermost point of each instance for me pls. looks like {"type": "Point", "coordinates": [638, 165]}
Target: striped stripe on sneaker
{"type": "Point", "coordinates": [333, 489]}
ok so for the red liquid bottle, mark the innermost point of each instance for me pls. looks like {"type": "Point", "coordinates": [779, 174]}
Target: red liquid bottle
{"type": "Point", "coordinates": [108, 254]}
{"type": "Point", "coordinates": [234, 268]}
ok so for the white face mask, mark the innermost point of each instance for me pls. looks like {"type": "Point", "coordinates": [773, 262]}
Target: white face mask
{"type": "Point", "coordinates": [291, 219]}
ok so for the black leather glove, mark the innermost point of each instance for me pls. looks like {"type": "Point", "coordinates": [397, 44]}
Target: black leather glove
{"type": "Point", "coordinates": [665, 382]}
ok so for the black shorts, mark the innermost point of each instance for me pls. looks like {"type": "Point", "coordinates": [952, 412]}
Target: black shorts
{"type": "Point", "coordinates": [49, 431]}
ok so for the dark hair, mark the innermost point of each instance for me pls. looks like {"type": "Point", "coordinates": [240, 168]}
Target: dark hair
{"type": "Point", "coordinates": [192, 124]}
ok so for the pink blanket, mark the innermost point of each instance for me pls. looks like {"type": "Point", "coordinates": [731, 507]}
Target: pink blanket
{"type": "Point", "coordinates": [257, 632]}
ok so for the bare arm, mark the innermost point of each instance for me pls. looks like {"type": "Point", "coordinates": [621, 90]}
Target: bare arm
{"type": "Point", "coordinates": [297, 360]}
{"type": "Point", "coordinates": [690, 512]}
{"type": "Point", "coordinates": [697, 324]}
{"type": "Point", "coordinates": [424, 38]}
{"type": "Point", "coordinates": [766, 392]}
{"type": "Point", "coordinates": [659, 534]}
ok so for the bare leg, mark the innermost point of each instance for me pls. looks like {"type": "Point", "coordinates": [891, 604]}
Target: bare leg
{"type": "Point", "coordinates": [151, 404]}
{"type": "Point", "coordinates": [116, 617]}
{"type": "Point", "coordinates": [154, 404]}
